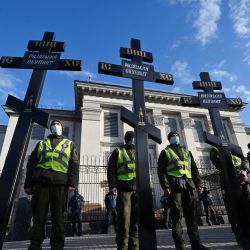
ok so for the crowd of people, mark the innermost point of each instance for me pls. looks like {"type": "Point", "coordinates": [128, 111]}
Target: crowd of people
{"type": "Point", "coordinates": [53, 172]}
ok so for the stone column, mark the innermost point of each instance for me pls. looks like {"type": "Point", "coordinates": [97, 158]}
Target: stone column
{"type": "Point", "coordinates": [90, 131]}
{"type": "Point", "coordinates": [238, 132]}
{"type": "Point", "coordinates": [158, 122]}
{"type": "Point", "coordinates": [7, 139]}
{"type": "Point", "coordinates": [187, 132]}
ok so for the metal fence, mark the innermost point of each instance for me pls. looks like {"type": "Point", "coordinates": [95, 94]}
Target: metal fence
{"type": "Point", "coordinates": [93, 186]}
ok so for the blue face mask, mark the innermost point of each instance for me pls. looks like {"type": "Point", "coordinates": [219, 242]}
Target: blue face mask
{"type": "Point", "coordinates": [175, 139]}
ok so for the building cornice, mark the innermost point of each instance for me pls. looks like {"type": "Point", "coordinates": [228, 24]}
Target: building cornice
{"type": "Point", "coordinates": [107, 90]}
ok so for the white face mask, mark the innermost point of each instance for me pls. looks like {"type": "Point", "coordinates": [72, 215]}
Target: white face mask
{"type": "Point", "coordinates": [56, 129]}
{"type": "Point", "coordinates": [175, 140]}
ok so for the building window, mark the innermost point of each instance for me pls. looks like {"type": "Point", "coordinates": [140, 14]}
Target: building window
{"type": "Point", "coordinates": [170, 124]}
{"type": "Point", "coordinates": [111, 124]}
{"type": "Point", "coordinates": [227, 131]}
{"type": "Point", "coordinates": [66, 131]}
{"type": "Point", "coordinates": [38, 132]}
{"type": "Point", "coordinates": [198, 130]}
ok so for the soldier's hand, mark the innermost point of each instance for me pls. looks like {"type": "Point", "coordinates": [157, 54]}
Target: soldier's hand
{"type": "Point", "coordinates": [199, 189]}
{"type": "Point", "coordinates": [28, 191]}
{"type": "Point", "coordinates": [243, 176]}
{"type": "Point", "coordinates": [167, 191]}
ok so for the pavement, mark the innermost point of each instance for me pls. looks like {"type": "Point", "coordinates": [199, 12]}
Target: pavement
{"type": "Point", "coordinates": [216, 237]}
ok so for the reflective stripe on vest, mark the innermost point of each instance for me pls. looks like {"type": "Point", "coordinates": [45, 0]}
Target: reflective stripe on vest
{"type": "Point", "coordinates": [125, 166]}
{"type": "Point", "coordinates": [175, 166]}
{"type": "Point", "coordinates": [56, 159]}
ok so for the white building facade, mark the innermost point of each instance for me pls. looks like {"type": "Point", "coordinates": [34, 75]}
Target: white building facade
{"type": "Point", "coordinates": [96, 129]}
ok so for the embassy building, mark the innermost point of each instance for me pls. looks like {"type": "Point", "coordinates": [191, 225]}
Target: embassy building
{"type": "Point", "coordinates": [95, 127]}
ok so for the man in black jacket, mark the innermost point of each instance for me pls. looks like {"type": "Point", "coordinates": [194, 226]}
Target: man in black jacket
{"type": "Point", "coordinates": [122, 181]}
{"type": "Point", "coordinates": [52, 171]}
{"type": "Point", "coordinates": [179, 176]}
{"type": "Point", "coordinates": [76, 204]}
{"type": "Point", "coordinates": [208, 205]}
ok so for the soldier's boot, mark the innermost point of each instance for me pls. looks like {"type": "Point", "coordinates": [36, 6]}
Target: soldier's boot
{"type": "Point", "coordinates": [199, 246]}
{"type": "Point", "coordinates": [180, 247]}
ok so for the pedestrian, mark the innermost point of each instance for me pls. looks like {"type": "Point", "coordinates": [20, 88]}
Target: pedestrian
{"type": "Point", "coordinates": [111, 216]}
{"type": "Point", "coordinates": [52, 171]}
{"type": "Point", "coordinates": [121, 175]}
{"type": "Point", "coordinates": [166, 212]}
{"type": "Point", "coordinates": [179, 177]}
{"type": "Point", "coordinates": [208, 205]}
{"type": "Point", "coordinates": [76, 204]}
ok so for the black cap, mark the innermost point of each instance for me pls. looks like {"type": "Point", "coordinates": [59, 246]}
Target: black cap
{"type": "Point", "coordinates": [128, 136]}
{"type": "Point", "coordinates": [56, 120]}
{"type": "Point", "coordinates": [171, 134]}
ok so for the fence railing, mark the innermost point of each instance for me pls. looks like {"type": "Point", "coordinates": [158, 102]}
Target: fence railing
{"type": "Point", "coordinates": [93, 186]}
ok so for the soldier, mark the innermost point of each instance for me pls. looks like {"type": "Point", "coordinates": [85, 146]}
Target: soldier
{"type": "Point", "coordinates": [121, 175]}
{"type": "Point", "coordinates": [76, 204]}
{"type": "Point", "coordinates": [52, 170]}
{"type": "Point", "coordinates": [179, 176]}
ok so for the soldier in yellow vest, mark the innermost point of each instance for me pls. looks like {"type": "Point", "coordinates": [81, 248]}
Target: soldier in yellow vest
{"type": "Point", "coordinates": [52, 171]}
{"type": "Point", "coordinates": [179, 177]}
{"type": "Point", "coordinates": [122, 181]}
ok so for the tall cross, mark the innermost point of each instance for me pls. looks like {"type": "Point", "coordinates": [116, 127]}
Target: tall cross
{"type": "Point", "coordinates": [215, 101]}
{"type": "Point", "coordinates": [39, 58]}
{"type": "Point", "coordinates": [139, 73]}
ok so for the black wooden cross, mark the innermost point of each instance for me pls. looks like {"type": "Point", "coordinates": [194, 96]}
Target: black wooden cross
{"type": "Point", "coordinates": [40, 58]}
{"type": "Point", "coordinates": [139, 73]}
{"type": "Point", "coordinates": [215, 101]}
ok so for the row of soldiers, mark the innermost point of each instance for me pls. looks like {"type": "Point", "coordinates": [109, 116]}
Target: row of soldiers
{"type": "Point", "coordinates": [53, 171]}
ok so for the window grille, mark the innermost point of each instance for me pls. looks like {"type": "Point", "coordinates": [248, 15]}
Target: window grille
{"type": "Point", "coordinates": [111, 124]}
{"type": "Point", "coordinates": [38, 132]}
{"type": "Point", "coordinates": [198, 131]}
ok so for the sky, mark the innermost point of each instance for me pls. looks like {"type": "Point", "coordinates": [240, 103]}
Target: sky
{"type": "Point", "coordinates": [186, 37]}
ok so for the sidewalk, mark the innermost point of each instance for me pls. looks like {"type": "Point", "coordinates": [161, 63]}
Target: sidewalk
{"type": "Point", "coordinates": [215, 237]}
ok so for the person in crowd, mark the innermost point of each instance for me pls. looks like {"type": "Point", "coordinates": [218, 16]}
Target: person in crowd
{"type": "Point", "coordinates": [167, 213]}
{"type": "Point", "coordinates": [208, 205]}
{"type": "Point", "coordinates": [110, 204]}
{"type": "Point", "coordinates": [179, 177]}
{"type": "Point", "coordinates": [121, 176]}
{"type": "Point", "coordinates": [76, 204]}
{"type": "Point", "coordinates": [52, 171]}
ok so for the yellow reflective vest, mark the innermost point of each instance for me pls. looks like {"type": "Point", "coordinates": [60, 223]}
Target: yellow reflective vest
{"type": "Point", "coordinates": [236, 161]}
{"type": "Point", "coordinates": [125, 166]}
{"type": "Point", "coordinates": [56, 159]}
{"type": "Point", "coordinates": [177, 167]}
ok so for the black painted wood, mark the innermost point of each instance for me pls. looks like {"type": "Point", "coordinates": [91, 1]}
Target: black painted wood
{"type": "Point", "coordinates": [219, 140]}
{"type": "Point", "coordinates": [143, 130]}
